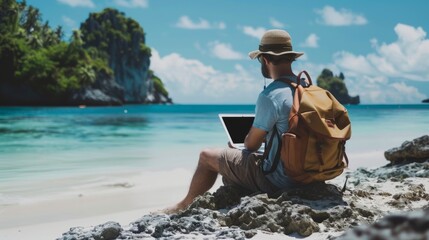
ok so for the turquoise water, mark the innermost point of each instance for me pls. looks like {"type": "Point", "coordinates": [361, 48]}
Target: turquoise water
{"type": "Point", "coordinates": [38, 143]}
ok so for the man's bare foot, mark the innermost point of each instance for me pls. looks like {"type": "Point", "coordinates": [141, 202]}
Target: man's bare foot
{"type": "Point", "coordinates": [173, 209]}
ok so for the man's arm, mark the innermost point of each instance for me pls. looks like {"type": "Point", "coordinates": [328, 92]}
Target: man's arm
{"type": "Point", "coordinates": [254, 139]}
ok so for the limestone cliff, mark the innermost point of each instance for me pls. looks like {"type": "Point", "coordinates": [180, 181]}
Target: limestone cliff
{"type": "Point", "coordinates": [122, 40]}
{"type": "Point", "coordinates": [336, 85]}
{"type": "Point", "coordinates": [106, 62]}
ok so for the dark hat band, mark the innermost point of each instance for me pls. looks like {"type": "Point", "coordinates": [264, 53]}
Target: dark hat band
{"type": "Point", "coordinates": [277, 48]}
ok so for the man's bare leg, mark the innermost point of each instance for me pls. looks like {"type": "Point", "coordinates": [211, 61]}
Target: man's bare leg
{"type": "Point", "coordinates": [204, 178]}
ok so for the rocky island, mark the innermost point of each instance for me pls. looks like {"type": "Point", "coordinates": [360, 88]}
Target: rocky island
{"type": "Point", "coordinates": [106, 61]}
{"type": "Point", "coordinates": [390, 202]}
{"type": "Point", "coordinates": [336, 85]}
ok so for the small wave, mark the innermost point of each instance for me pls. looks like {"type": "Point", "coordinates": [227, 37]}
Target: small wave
{"type": "Point", "coordinates": [27, 131]}
{"type": "Point", "coordinates": [120, 185]}
{"type": "Point", "coordinates": [6, 200]}
{"type": "Point", "coordinates": [114, 121]}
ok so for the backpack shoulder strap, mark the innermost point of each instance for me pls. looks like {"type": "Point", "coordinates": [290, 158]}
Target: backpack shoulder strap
{"type": "Point", "coordinates": [308, 78]}
{"type": "Point", "coordinates": [267, 151]}
{"type": "Point", "coordinates": [298, 79]}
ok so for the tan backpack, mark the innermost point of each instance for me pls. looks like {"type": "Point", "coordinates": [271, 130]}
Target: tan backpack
{"type": "Point", "coordinates": [313, 148]}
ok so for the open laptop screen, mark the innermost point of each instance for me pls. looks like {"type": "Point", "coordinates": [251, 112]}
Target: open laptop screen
{"type": "Point", "coordinates": [237, 126]}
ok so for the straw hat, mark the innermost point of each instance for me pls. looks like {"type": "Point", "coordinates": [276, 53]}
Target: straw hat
{"type": "Point", "coordinates": [275, 42]}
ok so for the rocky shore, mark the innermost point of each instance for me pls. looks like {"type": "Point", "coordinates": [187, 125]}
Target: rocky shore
{"type": "Point", "coordinates": [389, 202]}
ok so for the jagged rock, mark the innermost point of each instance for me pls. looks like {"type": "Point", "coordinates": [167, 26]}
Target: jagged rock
{"type": "Point", "coordinates": [92, 97]}
{"type": "Point", "coordinates": [397, 173]}
{"type": "Point", "coordinates": [425, 101]}
{"type": "Point", "coordinates": [415, 150]}
{"type": "Point", "coordinates": [106, 231]}
{"type": "Point", "coordinates": [104, 91]}
{"type": "Point", "coordinates": [405, 226]}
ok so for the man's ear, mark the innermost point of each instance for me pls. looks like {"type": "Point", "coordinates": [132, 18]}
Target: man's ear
{"type": "Point", "coordinates": [265, 60]}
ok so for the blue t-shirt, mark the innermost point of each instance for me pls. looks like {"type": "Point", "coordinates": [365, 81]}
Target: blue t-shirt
{"type": "Point", "coordinates": [272, 108]}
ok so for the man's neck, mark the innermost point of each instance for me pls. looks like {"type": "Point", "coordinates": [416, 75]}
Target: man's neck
{"type": "Point", "coordinates": [281, 70]}
{"type": "Point", "coordinates": [279, 74]}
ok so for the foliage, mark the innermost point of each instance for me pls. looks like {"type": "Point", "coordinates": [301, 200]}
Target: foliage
{"type": "Point", "coordinates": [332, 83]}
{"type": "Point", "coordinates": [110, 28]}
{"type": "Point", "coordinates": [159, 86]}
{"type": "Point", "coordinates": [56, 69]}
{"type": "Point", "coordinates": [12, 51]}
{"type": "Point", "coordinates": [9, 16]}
{"type": "Point", "coordinates": [34, 54]}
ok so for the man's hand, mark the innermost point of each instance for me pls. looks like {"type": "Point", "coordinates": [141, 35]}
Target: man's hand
{"type": "Point", "coordinates": [254, 139]}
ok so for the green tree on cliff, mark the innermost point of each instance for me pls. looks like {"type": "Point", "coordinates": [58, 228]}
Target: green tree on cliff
{"type": "Point", "coordinates": [33, 54]}
{"type": "Point", "coordinates": [9, 16]}
{"type": "Point", "coordinates": [119, 33]}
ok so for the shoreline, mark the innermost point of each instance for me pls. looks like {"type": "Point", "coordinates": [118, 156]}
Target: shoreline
{"type": "Point", "coordinates": [27, 189]}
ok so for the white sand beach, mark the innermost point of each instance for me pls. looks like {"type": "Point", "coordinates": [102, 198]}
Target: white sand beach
{"type": "Point", "coordinates": [122, 198]}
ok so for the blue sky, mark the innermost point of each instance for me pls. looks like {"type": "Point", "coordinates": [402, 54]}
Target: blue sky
{"type": "Point", "coordinates": [199, 48]}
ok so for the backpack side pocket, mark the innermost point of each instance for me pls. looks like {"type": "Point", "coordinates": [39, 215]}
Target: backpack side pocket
{"type": "Point", "coordinates": [289, 153]}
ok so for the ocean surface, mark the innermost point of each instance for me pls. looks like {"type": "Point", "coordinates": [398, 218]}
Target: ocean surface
{"type": "Point", "coordinates": [40, 144]}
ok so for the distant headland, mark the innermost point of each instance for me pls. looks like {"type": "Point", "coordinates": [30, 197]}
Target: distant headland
{"type": "Point", "coordinates": [106, 61]}
{"type": "Point", "coordinates": [336, 85]}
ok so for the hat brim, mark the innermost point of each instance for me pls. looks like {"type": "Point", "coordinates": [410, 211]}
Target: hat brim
{"type": "Point", "coordinates": [256, 53]}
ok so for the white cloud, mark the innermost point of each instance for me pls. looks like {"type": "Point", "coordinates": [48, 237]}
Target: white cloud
{"type": "Point", "coordinates": [224, 51]}
{"type": "Point", "coordinates": [254, 32]}
{"type": "Point", "coordinates": [353, 63]}
{"type": "Point", "coordinates": [382, 90]}
{"type": "Point", "coordinates": [69, 22]}
{"type": "Point", "coordinates": [186, 23]}
{"type": "Point", "coordinates": [311, 41]}
{"type": "Point", "coordinates": [381, 76]}
{"type": "Point", "coordinates": [405, 58]}
{"type": "Point", "coordinates": [343, 17]}
{"type": "Point", "coordinates": [133, 3]}
{"type": "Point", "coordinates": [78, 3]}
{"type": "Point", "coordinates": [276, 24]}
{"type": "Point", "coordinates": [191, 81]}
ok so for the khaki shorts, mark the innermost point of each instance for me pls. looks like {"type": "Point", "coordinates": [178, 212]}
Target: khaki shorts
{"type": "Point", "coordinates": [241, 168]}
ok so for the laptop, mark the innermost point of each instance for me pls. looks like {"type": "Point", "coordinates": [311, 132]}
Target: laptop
{"type": "Point", "coordinates": [237, 127]}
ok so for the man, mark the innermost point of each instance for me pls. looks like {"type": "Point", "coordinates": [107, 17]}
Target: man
{"type": "Point", "coordinates": [244, 168]}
